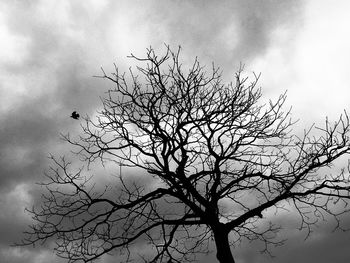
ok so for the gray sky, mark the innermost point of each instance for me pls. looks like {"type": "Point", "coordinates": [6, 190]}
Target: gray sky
{"type": "Point", "coordinates": [49, 51]}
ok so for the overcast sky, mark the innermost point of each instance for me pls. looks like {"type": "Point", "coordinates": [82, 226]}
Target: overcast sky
{"type": "Point", "coordinates": [50, 49]}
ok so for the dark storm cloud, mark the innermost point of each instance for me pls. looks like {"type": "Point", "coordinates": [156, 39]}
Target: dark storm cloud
{"type": "Point", "coordinates": [53, 80]}
{"type": "Point", "coordinates": [324, 245]}
{"type": "Point", "coordinates": [226, 33]}
{"type": "Point", "coordinates": [24, 137]}
{"type": "Point", "coordinates": [56, 83]}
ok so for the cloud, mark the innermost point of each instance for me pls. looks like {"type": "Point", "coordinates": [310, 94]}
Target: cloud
{"type": "Point", "coordinates": [21, 254]}
{"type": "Point", "coordinates": [322, 246]}
{"type": "Point", "coordinates": [228, 33]}
{"type": "Point", "coordinates": [312, 64]}
{"type": "Point", "coordinates": [51, 49]}
{"type": "Point", "coordinates": [47, 74]}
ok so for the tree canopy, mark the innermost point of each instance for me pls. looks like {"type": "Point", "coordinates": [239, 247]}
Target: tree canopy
{"type": "Point", "coordinates": [218, 157]}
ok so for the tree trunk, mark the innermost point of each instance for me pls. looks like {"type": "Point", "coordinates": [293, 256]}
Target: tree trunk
{"type": "Point", "coordinates": [223, 251]}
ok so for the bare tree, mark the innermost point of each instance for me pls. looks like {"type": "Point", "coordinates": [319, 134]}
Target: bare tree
{"type": "Point", "coordinates": [217, 160]}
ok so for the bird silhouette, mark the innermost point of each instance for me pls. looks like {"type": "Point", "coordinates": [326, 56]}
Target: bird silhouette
{"type": "Point", "coordinates": [75, 115]}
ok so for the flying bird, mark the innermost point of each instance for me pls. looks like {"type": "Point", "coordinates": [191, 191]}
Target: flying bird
{"type": "Point", "coordinates": [75, 115]}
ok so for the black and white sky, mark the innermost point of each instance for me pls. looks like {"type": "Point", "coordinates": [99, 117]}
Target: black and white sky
{"type": "Point", "coordinates": [50, 49]}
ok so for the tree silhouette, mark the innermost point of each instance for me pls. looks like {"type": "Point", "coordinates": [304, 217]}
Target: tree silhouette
{"type": "Point", "coordinates": [217, 161]}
